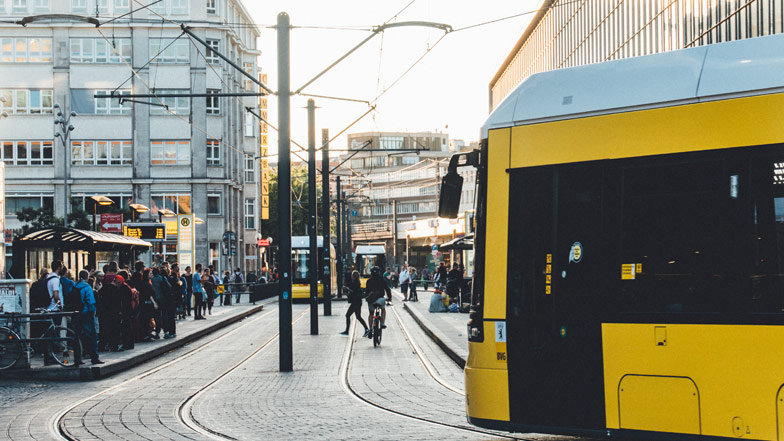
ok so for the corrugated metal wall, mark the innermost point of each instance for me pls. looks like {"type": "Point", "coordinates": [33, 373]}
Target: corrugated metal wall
{"type": "Point", "coordinates": [577, 32]}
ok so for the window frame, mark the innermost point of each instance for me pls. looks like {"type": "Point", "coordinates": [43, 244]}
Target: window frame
{"type": "Point", "coordinates": [213, 102]}
{"type": "Point", "coordinates": [220, 204]}
{"type": "Point", "coordinates": [213, 153]}
{"type": "Point", "coordinates": [250, 214]}
{"type": "Point", "coordinates": [182, 152]}
{"type": "Point", "coordinates": [45, 157]}
{"type": "Point", "coordinates": [80, 156]}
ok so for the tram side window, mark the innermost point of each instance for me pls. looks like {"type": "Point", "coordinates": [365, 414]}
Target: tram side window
{"type": "Point", "coordinates": [766, 293]}
{"type": "Point", "coordinates": [674, 237]}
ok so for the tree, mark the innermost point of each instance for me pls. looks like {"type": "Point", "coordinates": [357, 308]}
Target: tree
{"type": "Point", "coordinates": [40, 219]}
{"type": "Point", "coordinates": [299, 203]}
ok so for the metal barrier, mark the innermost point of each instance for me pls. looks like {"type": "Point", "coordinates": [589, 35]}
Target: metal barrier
{"type": "Point", "coordinates": [13, 322]}
{"type": "Point", "coordinates": [235, 292]}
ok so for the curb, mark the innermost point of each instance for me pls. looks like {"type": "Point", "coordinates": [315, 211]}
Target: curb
{"type": "Point", "coordinates": [446, 347]}
{"type": "Point", "coordinates": [88, 373]}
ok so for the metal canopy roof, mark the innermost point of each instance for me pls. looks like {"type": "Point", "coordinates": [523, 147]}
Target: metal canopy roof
{"type": "Point", "coordinates": [460, 243]}
{"type": "Point", "coordinates": [746, 67]}
{"type": "Point", "coordinates": [81, 239]}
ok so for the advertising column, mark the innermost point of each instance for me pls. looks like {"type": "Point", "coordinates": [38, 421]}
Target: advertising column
{"type": "Point", "coordinates": [185, 241]}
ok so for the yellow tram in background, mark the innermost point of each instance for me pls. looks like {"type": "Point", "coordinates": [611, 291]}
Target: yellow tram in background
{"type": "Point", "coordinates": [300, 251]}
{"type": "Point", "coordinates": [630, 249]}
{"type": "Point", "coordinates": [367, 257]}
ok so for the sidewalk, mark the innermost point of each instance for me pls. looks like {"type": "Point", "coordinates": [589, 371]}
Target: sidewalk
{"type": "Point", "coordinates": [188, 330]}
{"type": "Point", "coordinates": [447, 329]}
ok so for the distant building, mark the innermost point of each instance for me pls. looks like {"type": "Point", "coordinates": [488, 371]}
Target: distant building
{"type": "Point", "coordinates": [381, 181]}
{"type": "Point", "coordinates": [566, 33]}
{"type": "Point", "coordinates": [187, 155]}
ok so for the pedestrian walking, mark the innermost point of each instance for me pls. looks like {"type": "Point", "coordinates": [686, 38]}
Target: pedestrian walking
{"type": "Point", "coordinates": [355, 303]}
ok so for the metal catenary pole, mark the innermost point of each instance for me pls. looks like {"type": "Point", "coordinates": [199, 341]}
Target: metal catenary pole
{"type": "Point", "coordinates": [325, 225]}
{"type": "Point", "coordinates": [394, 231]}
{"type": "Point", "coordinates": [284, 193]}
{"type": "Point", "coordinates": [339, 229]}
{"type": "Point", "coordinates": [313, 263]}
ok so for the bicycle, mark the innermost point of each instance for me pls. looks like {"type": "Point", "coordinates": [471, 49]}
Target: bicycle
{"type": "Point", "coordinates": [375, 327]}
{"type": "Point", "coordinates": [61, 343]}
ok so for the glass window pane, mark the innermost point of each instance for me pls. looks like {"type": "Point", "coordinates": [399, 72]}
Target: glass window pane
{"type": "Point", "coordinates": [89, 152]}
{"type": "Point", "coordinates": [8, 152]}
{"type": "Point", "coordinates": [35, 152]}
{"type": "Point", "coordinates": [101, 51]}
{"type": "Point", "coordinates": [21, 152]}
{"type": "Point", "coordinates": [21, 101]}
{"type": "Point", "coordinates": [184, 204]}
{"type": "Point", "coordinates": [35, 101]}
{"type": "Point", "coordinates": [170, 203]}
{"type": "Point", "coordinates": [102, 153]}
{"type": "Point", "coordinates": [21, 50]}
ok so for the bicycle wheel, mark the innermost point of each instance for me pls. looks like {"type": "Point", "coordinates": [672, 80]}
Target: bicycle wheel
{"type": "Point", "coordinates": [63, 350]}
{"type": "Point", "coordinates": [10, 348]}
{"type": "Point", "coordinates": [376, 332]}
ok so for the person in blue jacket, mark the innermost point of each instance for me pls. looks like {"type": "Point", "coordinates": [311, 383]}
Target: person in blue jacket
{"type": "Point", "coordinates": [87, 315]}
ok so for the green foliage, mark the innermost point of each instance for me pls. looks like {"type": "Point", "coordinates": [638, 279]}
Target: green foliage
{"type": "Point", "coordinates": [40, 219]}
{"type": "Point", "coordinates": [299, 202]}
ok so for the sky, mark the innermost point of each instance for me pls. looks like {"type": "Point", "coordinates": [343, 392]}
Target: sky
{"type": "Point", "coordinates": [447, 91]}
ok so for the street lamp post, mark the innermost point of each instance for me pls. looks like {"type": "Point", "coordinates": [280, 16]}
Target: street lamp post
{"type": "Point", "coordinates": [137, 208]}
{"type": "Point", "coordinates": [64, 133]}
{"type": "Point", "coordinates": [99, 200]}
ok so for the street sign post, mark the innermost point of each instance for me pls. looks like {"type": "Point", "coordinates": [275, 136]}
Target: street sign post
{"type": "Point", "coordinates": [185, 240]}
{"type": "Point", "coordinates": [111, 223]}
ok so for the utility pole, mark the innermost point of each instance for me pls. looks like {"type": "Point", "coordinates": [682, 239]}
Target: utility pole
{"type": "Point", "coordinates": [346, 238]}
{"type": "Point", "coordinates": [325, 221]}
{"type": "Point", "coordinates": [339, 225]}
{"type": "Point", "coordinates": [394, 231]}
{"type": "Point", "coordinates": [313, 260]}
{"type": "Point", "coordinates": [65, 131]}
{"type": "Point", "coordinates": [284, 193]}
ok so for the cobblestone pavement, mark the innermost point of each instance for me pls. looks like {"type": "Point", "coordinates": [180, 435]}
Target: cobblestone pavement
{"type": "Point", "coordinates": [256, 401]}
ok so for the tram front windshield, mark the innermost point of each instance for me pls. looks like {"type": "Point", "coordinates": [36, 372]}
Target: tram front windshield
{"type": "Point", "coordinates": [299, 264]}
{"type": "Point", "coordinates": [367, 262]}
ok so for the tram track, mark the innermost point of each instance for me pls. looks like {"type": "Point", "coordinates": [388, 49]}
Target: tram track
{"type": "Point", "coordinates": [345, 381]}
{"type": "Point", "coordinates": [56, 424]}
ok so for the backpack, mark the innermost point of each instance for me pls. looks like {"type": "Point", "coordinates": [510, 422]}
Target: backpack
{"type": "Point", "coordinates": [39, 294]}
{"type": "Point", "coordinates": [73, 299]}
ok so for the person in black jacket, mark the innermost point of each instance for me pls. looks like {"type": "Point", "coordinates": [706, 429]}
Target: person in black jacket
{"type": "Point", "coordinates": [355, 303]}
{"type": "Point", "coordinates": [375, 288]}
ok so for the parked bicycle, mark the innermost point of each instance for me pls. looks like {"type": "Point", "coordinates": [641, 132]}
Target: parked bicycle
{"type": "Point", "coordinates": [60, 344]}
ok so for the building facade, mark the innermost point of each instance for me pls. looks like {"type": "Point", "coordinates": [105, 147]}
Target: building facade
{"type": "Point", "coordinates": [568, 33]}
{"type": "Point", "coordinates": [393, 195]}
{"type": "Point", "coordinates": [191, 155]}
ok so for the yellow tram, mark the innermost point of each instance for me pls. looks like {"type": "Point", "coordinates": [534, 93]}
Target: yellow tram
{"type": "Point", "coordinates": [369, 256]}
{"type": "Point", "coordinates": [630, 249]}
{"type": "Point", "coordinates": [300, 251]}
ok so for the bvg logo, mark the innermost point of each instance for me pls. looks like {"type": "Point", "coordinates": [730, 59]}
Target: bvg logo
{"type": "Point", "coordinates": [185, 222]}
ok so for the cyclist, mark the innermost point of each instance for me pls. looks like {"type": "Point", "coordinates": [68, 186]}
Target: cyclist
{"type": "Point", "coordinates": [375, 288]}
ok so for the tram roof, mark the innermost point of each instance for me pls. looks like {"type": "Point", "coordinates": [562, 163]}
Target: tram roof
{"type": "Point", "coordinates": [746, 67]}
{"type": "Point", "coordinates": [371, 249]}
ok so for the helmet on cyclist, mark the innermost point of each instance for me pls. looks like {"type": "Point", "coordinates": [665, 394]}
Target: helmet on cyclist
{"type": "Point", "coordinates": [375, 271]}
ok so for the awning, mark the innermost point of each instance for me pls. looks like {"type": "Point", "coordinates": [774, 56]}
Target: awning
{"type": "Point", "coordinates": [68, 238]}
{"type": "Point", "coordinates": [461, 243]}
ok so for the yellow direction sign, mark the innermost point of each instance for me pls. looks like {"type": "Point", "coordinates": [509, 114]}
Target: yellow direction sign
{"type": "Point", "coordinates": [265, 200]}
{"type": "Point", "coordinates": [265, 188]}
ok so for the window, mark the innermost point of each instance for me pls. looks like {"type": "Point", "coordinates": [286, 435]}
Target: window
{"type": "Point", "coordinates": [110, 106]}
{"type": "Point", "coordinates": [121, 6]}
{"type": "Point", "coordinates": [178, 203]}
{"type": "Point", "coordinates": [214, 204]}
{"type": "Point", "coordinates": [40, 6]}
{"type": "Point", "coordinates": [170, 50]}
{"type": "Point", "coordinates": [102, 6]}
{"type": "Point", "coordinates": [21, 101]}
{"type": "Point", "coordinates": [212, 7]}
{"type": "Point", "coordinates": [391, 142]}
{"type": "Point", "coordinates": [98, 50]}
{"type": "Point", "coordinates": [170, 153]}
{"type": "Point", "coordinates": [27, 152]}
{"type": "Point", "coordinates": [101, 152]}
{"type": "Point", "coordinates": [213, 103]}
{"type": "Point", "coordinates": [213, 152]}
{"type": "Point", "coordinates": [159, 7]}
{"type": "Point", "coordinates": [18, 202]}
{"type": "Point", "coordinates": [180, 105]}
{"type": "Point", "coordinates": [250, 169]}
{"type": "Point", "coordinates": [248, 68]}
{"type": "Point", "coordinates": [250, 121]}
{"type": "Point", "coordinates": [19, 6]}
{"type": "Point", "coordinates": [179, 7]}
{"type": "Point", "coordinates": [79, 6]}
{"type": "Point", "coordinates": [212, 45]}
{"type": "Point", "coordinates": [250, 218]}
{"type": "Point", "coordinates": [26, 50]}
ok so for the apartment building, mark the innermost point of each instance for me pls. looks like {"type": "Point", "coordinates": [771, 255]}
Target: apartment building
{"type": "Point", "coordinates": [191, 155]}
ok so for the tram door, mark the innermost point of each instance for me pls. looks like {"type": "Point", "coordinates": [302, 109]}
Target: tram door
{"type": "Point", "coordinates": [557, 254]}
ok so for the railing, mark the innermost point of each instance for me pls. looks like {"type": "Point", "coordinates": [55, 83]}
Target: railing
{"type": "Point", "coordinates": [371, 227]}
{"type": "Point", "coordinates": [234, 292]}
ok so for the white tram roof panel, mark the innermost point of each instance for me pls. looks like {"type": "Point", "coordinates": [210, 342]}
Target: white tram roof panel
{"type": "Point", "coordinates": [304, 241]}
{"type": "Point", "coordinates": [751, 66]}
{"type": "Point", "coordinates": [370, 249]}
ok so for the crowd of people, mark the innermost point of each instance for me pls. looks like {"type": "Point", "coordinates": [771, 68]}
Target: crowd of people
{"type": "Point", "coordinates": [119, 306]}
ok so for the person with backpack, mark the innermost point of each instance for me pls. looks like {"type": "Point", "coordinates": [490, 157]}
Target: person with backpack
{"type": "Point", "coordinates": [375, 288]}
{"type": "Point", "coordinates": [88, 336]}
{"type": "Point", "coordinates": [53, 285]}
{"type": "Point", "coordinates": [355, 303]}
{"type": "Point", "coordinates": [237, 281]}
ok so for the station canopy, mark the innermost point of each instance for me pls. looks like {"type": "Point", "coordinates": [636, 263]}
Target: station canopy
{"type": "Point", "coordinates": [461, 243]}
{"type": "Point", "coordinates": [72, 239]}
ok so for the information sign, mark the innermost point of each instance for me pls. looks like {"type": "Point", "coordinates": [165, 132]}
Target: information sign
{"type": "Point", "coordinates": [111, 223]}
{"type": "Point", "coordinates": [185, 240]}
{"type": "Point", "coordinates": [151, 232]}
